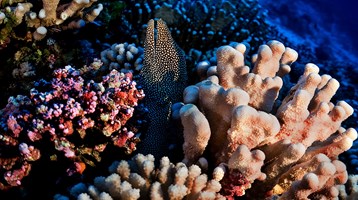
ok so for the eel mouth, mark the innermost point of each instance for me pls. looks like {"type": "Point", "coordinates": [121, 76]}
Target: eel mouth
{"type": "Point", "coordinates": [160, 50]}
{"type": "Point", "coordinates": [154, 27]}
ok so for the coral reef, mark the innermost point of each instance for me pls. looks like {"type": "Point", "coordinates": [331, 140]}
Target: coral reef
{"type": "Point", "coordinates": [140, 179]}
{"type": "Point", "coordinates": [123, 57]}
{"type": "Point", "coordinates": [197, 26]}
{"type": "Point", "coordinates": [67, 118]}
{"type": "Point", "coordinates": [202, 25]}
{"type": "Point", "coordinates": [270, 147]}
{"type": "Point", "coordinates": [25, 64]}
{"type": "Point", "coordinates": [163, 77]}
{"type": "Point", "coordinates": [36, 32]}
{"type": "Point", "coordinates": [289, 146]}
{"type": "Point", "coordinates": [37, 18]}
{"type": "Point", "coordinates": [248, 126]}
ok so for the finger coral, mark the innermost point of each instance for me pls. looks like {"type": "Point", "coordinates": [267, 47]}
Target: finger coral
{"type": "Point", "coordinates": [140, 179]}
{"type": "Point", "coordinates": [67, 118]}
{"type": "Point", "coordinates": [123, 57]}
{"type": "Point", "coordinates": [273, 148]}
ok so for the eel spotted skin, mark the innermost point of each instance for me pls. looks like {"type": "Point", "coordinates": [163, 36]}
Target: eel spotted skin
{"type": "Point", "coordinates": [163, 78]}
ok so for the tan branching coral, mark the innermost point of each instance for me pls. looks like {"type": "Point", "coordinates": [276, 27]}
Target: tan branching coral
{"type": "Point", "coordinates": [210, 95]}
{"type": "Point", "coordinates": [50, 13]}
{"type": "Point", "coordinates": [286, 149]}
{"type": "Point", "coordinates": [198, 138]}
{"type": "Point", "coordinates": [139, 179]}
{"type": "Point", "coordinates": [250, 127]}
{"type": "Point", "coordinates": [263, 83]}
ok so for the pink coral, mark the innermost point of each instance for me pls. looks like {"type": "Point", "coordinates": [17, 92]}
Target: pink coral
{"type": "Point", "coordinates": [61, 112]}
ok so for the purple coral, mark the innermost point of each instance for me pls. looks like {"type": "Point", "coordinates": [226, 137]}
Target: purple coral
{"type": "Point", "coordinates": [78, 119]}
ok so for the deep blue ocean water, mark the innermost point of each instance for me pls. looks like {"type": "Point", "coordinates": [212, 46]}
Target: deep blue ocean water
{"type": "Point", "coordinates": [330, 27]}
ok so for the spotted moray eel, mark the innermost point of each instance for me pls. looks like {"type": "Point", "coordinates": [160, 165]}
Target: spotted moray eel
{"type": "Point", "coordinates": [163, 78]}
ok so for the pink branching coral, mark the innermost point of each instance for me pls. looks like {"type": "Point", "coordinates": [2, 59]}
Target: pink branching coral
{"type": "Point", "coordinates": [285, 149]}
{"type": "Point", "coordinates": [77, 118]}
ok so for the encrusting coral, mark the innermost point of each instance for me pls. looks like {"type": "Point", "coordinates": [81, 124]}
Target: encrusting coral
{"type": "Point", "coordinates": [290, 146]}
{"type": "Point", "coordinates": [163, 77]}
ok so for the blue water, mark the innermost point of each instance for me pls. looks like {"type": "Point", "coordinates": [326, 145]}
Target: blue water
{"type": "Point", "coordinates": [330, 27]}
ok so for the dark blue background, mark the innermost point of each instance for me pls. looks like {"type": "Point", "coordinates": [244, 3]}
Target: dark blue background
{"type": "Point", "coordinates": [331, 25]}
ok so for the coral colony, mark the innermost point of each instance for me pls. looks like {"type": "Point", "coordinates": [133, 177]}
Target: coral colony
{"type": "Point", "coordinates": [59, 109]}
{"type": "Point", "coordinates": [242, 131]}
{"type": "Point", "coordinates": [52, 13]}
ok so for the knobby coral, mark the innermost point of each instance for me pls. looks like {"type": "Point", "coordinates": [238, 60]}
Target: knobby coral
{"type": "Point", "coordinates": [163, 77]}
{"type": "Point", "coordinates": [123, 57]}
{"type": "Point", "coordinates": [140, 179]}
{"type": "Point", "coordinates": [67, 118]}
{"type": "Point", "coordinates": [287, 148]}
